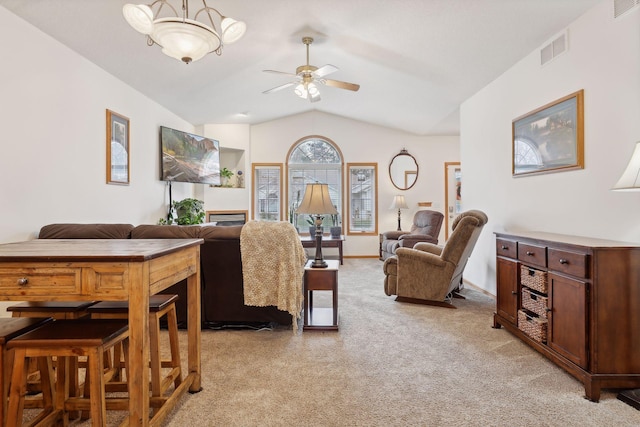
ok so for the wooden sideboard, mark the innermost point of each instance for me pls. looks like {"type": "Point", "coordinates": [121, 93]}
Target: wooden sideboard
{"type": "Point", "coordinates": [590, 312]}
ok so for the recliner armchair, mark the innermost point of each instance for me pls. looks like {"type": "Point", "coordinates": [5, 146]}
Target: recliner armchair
{"type": "Point", "coordinates": [425, 228]}
{"type": "Point", "coordinates": [429, 274]}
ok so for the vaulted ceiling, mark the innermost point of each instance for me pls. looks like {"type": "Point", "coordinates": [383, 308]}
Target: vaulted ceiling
{"type": "Point", "coordinates": [415, 60]}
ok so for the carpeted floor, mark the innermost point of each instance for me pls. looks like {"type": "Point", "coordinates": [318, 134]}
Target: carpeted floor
{"type": "Point", "coordinates": [390, 364]}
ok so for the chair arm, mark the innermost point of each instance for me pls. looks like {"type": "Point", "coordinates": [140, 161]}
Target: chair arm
{"type": "Point", "coordinates": [428, 247]}
{"type": "Point", "coordinates": [393, 235]}
{"type": "Point", "coordinates": [410, 240]}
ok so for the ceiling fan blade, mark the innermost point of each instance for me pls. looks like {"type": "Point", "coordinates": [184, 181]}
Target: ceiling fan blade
{"type": "Point", "coordinates": [277, 88]}
{"type": "Point", "coordinates": [280, 72]}
{"type": "Point", "coordinates": [342, 85]}
{"type": "Point", "coordinates": [325, 70]}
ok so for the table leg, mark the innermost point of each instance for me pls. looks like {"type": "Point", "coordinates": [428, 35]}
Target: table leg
{"type": "Point", "coordinates": [335, 304]}
{"type": "Point", "coordinates": [193, 328]}
{"type": "Point", "coordinates": [137, 370]}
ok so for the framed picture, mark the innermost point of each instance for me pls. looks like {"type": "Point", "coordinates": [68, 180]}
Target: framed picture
{"type": "Point", "coordinates": [551, 138]}
{"type": "Point", "coordinates": [117, 149]}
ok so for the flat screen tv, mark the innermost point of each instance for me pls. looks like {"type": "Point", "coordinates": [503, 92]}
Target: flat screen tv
{"type": "Point", "coordinates": [189, 158]}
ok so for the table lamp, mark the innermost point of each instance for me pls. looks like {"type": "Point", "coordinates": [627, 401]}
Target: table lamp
{"type": "Point", "coordinates": [630, 181]}
{"type": "Point", "coordinates": [317, 202]}
{"type": "Point", "coordinates": [398, 203]}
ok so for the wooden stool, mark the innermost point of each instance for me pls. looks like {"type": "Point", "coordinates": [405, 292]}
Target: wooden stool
{"type": "Point", "coordinates": [56, 309]}
{"type": "Point", "coordinates": [9, 329]}
{"type": "Point", "coordinates": [66, 340]}
{"type": "Point", "coordinates": [159, 306]}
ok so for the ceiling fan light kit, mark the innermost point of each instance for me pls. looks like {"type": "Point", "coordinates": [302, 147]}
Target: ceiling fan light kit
{"type": "Point", "coordinates": [180, 36]}
{"type": "Point", "coordinates": [307, 78]}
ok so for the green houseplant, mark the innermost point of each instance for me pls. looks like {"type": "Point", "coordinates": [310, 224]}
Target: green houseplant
{"type": "Point", "coordinates": [226, 175]}
{"type": "Point", "coordinates": [189, 211]}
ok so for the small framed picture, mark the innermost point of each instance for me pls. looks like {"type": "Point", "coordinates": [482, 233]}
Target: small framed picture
{"type": "Point", "coordinates": [117, 149]}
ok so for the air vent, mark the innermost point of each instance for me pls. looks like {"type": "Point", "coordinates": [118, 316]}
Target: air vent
{"type": "Point", "coordinates": [556, 47]}
{"type": "Point", "coordinates": [620, 7]}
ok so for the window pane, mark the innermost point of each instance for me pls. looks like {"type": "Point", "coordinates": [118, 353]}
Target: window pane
{"type": "Point", "coordinates": [313, 160]}
{"type": "Point", "coordinates": [362, 199]}
{"type": "Point", "coordinates": [267, 193]}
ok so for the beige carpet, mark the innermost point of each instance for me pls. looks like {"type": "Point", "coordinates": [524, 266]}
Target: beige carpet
{"type": "Point", "coordinates": [390, 364]}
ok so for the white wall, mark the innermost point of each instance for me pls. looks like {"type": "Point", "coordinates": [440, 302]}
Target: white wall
{"type": "Point", "coordinates": [604, 60]}
{"type": "Point", "coordinates": [361, 142]}
{"type": "Point", "coordinates": [53, 131]}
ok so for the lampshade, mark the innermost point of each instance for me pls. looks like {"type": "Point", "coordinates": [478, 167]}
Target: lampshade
{"type": "Point", "coordinates": [317, 201]}
{"type": "Point", "coordinates": [630, 179]}
{"type": "Point", "coordinates": [398, 203]}
{"type": "Point", "coordinates": [182, 36]}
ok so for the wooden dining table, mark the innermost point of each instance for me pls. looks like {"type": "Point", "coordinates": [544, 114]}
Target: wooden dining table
{"type": "Point", "coordinates": [113, 270]}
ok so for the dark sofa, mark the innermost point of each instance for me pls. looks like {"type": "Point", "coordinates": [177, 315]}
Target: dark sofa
{"type": "Point", "coordinates": [220, 269]}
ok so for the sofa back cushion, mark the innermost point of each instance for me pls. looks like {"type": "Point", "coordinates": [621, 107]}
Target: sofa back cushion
{"type": "Point", "coordinates": [85, 231]}
{"type": "Point", "coordinates": [165, 232]}
{"type": "Point", "coordinates": [227, 232]}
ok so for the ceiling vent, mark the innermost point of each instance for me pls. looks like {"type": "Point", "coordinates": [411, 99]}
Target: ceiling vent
{"type": "Point", "coordinates": [554, 48]}
{"type": "Point", "coordinates": [620, 7]}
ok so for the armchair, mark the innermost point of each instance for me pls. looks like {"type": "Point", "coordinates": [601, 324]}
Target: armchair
{"type": "Point", "coordinates": [425, 228]}
{"type": "Point", "coordinates": [429, 274]}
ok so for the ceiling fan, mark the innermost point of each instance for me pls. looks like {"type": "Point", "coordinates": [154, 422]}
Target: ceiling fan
{"type": "Point", "coordinates": [308, 76]}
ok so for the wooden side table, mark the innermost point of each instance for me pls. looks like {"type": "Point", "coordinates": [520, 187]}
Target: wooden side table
{"type": "Point", "coordinates": [321, 279]}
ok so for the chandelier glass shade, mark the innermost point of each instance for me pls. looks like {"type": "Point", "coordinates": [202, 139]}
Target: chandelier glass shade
{"type": "Point", "coordinates": [180, 36]}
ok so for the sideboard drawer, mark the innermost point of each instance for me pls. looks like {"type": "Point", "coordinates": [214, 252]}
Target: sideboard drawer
{"type": "Point", "coordinates": [532, 254]}
{"type": "Point", "coordinates": [40, 280]}
{"type": "Point", "coordinates": [507, 248]}
{"type": "Point", "coordinates": [572, 263]}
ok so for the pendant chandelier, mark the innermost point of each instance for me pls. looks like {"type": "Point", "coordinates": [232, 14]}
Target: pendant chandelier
{"type": "Point", "coordinates": [180, 36]}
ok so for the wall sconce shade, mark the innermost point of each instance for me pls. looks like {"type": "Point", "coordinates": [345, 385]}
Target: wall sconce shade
{"type": "Point", "coordinates": [630, 179]}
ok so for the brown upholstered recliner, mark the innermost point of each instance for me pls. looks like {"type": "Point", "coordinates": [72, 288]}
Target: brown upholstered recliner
{"type": "Point", "coordinates": [425, 228]}
{"type": "Point", "coordinates": [429, 274]}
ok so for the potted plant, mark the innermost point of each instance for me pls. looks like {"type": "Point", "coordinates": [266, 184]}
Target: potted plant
{"type": "Point", "coordinates": [189, 211]}
{"type": "Point", "coordinates": [336, 229]}
{"type": "Point", "coordinates": [226, 175]}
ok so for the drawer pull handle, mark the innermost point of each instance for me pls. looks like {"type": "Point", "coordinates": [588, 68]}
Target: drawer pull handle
{"type": "Point", "coordinates": [530, 253]}
{"type": "Point", "coordinates": [564, 261]}
{"type": "Point", "coordinates": [504, 247]}
{"type": "Point", "coordinates": [514, 293]}
{"type": "Point", "coordinates": [23, 281]}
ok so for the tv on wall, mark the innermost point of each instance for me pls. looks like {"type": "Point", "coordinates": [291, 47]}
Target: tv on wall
{"type": "Point", "coordinates": [189, 158]}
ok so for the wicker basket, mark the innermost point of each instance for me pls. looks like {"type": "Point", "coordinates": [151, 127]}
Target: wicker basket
{"type": "Point", "coordinates": [532, 325]}
{"type": "Point", "coordinates": [534, 302]}
{"type": "Point", "coordinates": [534, 279]}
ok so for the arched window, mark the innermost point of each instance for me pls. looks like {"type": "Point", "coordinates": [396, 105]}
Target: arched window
{"type": "Point", "coordinates": [313, 159]}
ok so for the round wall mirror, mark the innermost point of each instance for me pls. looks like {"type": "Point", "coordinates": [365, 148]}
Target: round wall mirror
{"type": "Point", "coordinates": [403, 170]}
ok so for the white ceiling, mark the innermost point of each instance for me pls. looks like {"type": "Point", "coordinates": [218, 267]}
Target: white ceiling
{"type": "Point", "coordinates": [415, 60]}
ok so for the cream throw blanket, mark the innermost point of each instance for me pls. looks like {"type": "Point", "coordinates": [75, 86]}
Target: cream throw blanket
{"type": "Point", "coordinates": [273, 262]}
